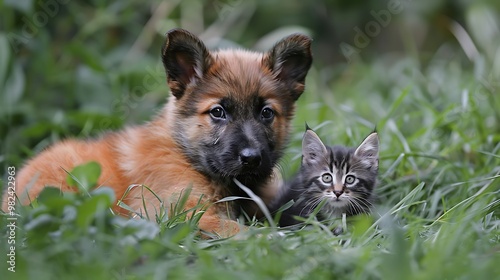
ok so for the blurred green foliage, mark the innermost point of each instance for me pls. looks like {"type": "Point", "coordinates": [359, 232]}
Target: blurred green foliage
{"type": "Point", "coordinates": [77, 68]}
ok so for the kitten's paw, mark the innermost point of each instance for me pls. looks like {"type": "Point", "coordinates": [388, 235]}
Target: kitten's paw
{"type": "Point", "coordinates": [338, 230]}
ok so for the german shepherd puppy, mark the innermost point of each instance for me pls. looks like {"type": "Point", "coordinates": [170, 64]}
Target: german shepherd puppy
{"type": "Point", "coordinates": [228, 118]}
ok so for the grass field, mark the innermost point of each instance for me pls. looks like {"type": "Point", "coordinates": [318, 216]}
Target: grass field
{"type": "Point", "coordinates": [438, 214]}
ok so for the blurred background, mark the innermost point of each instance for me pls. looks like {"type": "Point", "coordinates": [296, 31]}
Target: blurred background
{"type": "Point", "coordinates": [78, 68]}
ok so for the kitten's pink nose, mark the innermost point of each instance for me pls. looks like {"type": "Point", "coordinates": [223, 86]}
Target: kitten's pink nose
{"type": "Point", "coordinates": [338, 193]}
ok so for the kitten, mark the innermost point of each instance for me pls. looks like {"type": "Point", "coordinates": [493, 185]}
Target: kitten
{"type": "Point", "coordinates": [344, 177]}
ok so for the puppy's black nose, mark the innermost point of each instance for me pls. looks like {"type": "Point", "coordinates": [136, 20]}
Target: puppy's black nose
{"type": "Point", "coordinates": [250, 157]}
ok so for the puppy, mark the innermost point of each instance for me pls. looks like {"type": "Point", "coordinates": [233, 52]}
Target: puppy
{"type": "Point", "coordinates": [228, 117]}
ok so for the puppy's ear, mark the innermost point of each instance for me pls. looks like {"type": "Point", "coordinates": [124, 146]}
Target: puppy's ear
{"type": "Point", "coordinates": [289, 61]}
{"type": "Point", "coordinates": [185, 59]}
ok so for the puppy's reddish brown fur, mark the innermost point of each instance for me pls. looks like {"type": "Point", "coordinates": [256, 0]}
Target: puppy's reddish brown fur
{"type": "Point", "coordinates": [189, 144]}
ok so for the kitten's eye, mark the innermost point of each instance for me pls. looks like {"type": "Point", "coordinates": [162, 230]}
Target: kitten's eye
{"type": "Point", "coordinates": [349, 179]}
{"type": "Point", "coordinates": [267, 114]}
{"type": "Point", "coordinates": [218, 113]}
{"type": "Point", "coordinates": [326, 178]}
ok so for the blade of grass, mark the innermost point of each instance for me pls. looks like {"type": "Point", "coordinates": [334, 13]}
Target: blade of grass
{"type": "Point", "coordinates": [258, 201]}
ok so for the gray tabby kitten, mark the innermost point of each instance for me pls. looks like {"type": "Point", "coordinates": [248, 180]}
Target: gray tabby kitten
{"type": "Point", "coordinates": [344, 177]}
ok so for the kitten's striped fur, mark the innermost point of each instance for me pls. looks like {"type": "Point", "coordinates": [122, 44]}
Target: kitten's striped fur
{"type": "Point", "coordinates": [344, 177]}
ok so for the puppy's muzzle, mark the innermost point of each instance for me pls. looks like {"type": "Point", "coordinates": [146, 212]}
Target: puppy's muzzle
{"type": "Point", "coordinates": [250, 158]}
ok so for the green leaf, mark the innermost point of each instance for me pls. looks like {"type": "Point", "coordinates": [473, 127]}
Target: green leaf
{"type": "Point", "coordinates": [40, 221]}
{"type": "Point", "coordinates": [101, 200]}
{"type": "Point", "coordinates": [232, 198]}
{"type": "Point", "coordinates": [84, 176]}
{"type": "Point", "coordinates": [88, 57]}
{"type": "Point", "coordinates": [69, 214]}
{"type": "Point", "coordinates": [23, 6]}
{"type": "Point", "coordinates": [49, 194]}
{"type": "Point", "coordinates": [361, 225]}
{"type": "Point", "coordinates": [141, 229]}
{"type": "Point", "coordinates": [54, 201]}
{"type": "Point", "coordinates": [279, 212]}
{"type": "Point", "coordinates": [394, 106]}
{"type": "Point", "coordinates": [4, 58]}
{"type": "Point", "coordinates": [106, 193]}
{"type": "Point", "coordinates": [483, 24]}
{"type": "Point", "coordinates": [180, 232]}
{"type": "Point", "coordinates": [14, 86]}
{"type": "Point", "coordinates": [92, 208]}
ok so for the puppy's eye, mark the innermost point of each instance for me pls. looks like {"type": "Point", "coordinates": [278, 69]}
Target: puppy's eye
{"type": "Point", "coordinates": [267, 113]}
{"type": "Point", "coordinates": [326, 178]}
{"type": "Point", "coordinates": [218, 113]}
{"type": "Point", "coordinates": [349, 179]}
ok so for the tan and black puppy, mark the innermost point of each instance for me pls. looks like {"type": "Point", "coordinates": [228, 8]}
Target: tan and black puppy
{"type": "Point", "coordinates": [228, 117]}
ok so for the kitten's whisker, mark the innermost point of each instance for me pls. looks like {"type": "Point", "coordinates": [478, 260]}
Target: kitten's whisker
{"type": "Point", "coordinates": [365, 201]}
{"type": "Point", "coordinates": [306, 203]}
{"type": "Point", "coordinates": [362, 204]}
{"type": "Point", "coordinates": [313, 201]}
{"type": "Point", "coordinates": [353, 206]}
{"type": "Point", "coordinates": [311, 204]}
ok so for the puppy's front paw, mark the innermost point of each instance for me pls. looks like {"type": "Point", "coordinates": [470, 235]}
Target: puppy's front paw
{"type": "Point", "coordinates": [214, 226]}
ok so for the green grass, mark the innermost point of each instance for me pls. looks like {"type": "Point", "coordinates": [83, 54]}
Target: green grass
{"type": "Point", "coordinates": [438, 215]}
{"type": "Point", "coordinates": [437, 114]}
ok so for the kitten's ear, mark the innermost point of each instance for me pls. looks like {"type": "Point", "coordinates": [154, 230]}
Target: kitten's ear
{"type": "Point", "coordinates": [368, 151]}
{"type": "Point", "coordinates": [289, 61]}
{"type": "Point", "coordinates": [185, 59]}
{"type": "Point", "coordinates": [313, 150]}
